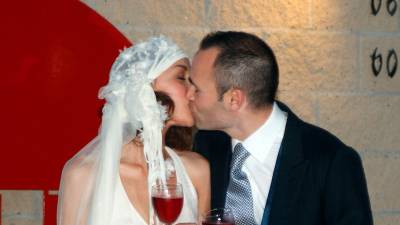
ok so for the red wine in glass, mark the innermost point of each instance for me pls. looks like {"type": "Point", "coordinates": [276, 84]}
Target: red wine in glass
{"type": "Point", "coordinates": [167, 201]}
{"type": "Point", "coordinates": [167, 209]}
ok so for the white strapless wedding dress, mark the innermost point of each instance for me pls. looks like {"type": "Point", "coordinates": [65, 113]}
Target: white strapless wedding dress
{"type": "Point", "coordinates": [124, 212]}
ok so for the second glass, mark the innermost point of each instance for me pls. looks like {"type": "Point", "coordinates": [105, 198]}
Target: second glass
{"type": "Point", "coordinates": [220, 216]}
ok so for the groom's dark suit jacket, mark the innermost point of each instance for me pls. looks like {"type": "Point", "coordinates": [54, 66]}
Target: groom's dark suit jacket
{"type": "Point", "coordinates": [320, 180]}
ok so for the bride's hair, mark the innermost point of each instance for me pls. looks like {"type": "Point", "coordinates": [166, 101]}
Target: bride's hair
{"type": "Point", "coordinates": [177, 137]}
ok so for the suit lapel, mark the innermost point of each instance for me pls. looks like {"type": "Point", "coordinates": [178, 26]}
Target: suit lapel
{"type": "Point", "coordinates": [292, 169]}
{"type": "Point", "coordinates": [222, 155]}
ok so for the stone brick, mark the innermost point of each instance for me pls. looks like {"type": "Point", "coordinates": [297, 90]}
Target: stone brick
{"type": "Point", "coordinates": [387, 219]}
{"type": "Point", "coordinates": [22, 221]}
{"type": "Point", "coordinates": [364, 122]}
{"type": "Point", "coordinates": [110, 10]}
{"type": "Point", "coordinates": [354, 15]}
{"type": "Point", "coordinates": [302, 104]}
{"type": "Point", "coordinates": [312, 61]}
{"type": "Point", "coordinates": [22, 205]}
{"type": "Point", "coordinates": [187, 40]}
{"type": "Point", "coordinates": [383, 181]}
{"type": "Point", "coordinates": [228, 14]}
{"type": "Point", "coordinates": [383, 82]}
{"type": "Point", "coordinates": [151, 13]}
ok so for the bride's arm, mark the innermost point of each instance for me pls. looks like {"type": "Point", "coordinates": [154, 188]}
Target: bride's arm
{"type": "Point", "coordinates": [72, 200]}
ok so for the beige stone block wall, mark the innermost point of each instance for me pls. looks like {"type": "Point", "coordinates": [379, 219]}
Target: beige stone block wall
{"type": "Point", "coordinates": [233, 14]}
{"type": "Point", "coordinates": [366, 122]}
{"type": "Point", "coordinates": [354, 15]}
{"type": "Point", "coordinates": [383, 185]}
{"type": "Point", "coordinates": [383, 43]}
{"type": "Point", "coordinates": [22, 207]}
{"type": "Point", "coordinates": [316, 62]}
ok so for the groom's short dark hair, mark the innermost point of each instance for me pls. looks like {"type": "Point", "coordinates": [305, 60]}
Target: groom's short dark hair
{"type": "Point", "coordinates": [245, 61]}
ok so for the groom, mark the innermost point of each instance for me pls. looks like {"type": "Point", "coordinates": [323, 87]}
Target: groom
{"type": "Point", "coordinates": [268, 166]}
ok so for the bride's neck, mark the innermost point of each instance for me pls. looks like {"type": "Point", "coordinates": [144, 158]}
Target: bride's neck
{"type": "Point", "coordinates": [133, 152]}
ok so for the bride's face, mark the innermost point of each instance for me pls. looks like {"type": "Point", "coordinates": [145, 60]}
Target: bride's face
{"type": "Point", "coordinates": [173, 82]}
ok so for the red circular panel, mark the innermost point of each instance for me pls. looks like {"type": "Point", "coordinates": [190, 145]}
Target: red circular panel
{"type": "Point", "coordinates": [55, 55]}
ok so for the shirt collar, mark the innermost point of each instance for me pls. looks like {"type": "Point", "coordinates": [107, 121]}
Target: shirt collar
{"type": "Point", "coordinates": [261, 141]}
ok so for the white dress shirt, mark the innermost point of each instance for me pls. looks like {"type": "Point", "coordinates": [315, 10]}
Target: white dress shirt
{"type": "Point", "coordinates": [263, 146]}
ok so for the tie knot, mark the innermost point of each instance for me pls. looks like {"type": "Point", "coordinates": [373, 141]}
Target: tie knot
{"type": "Point", "coordinates": [240, 154]}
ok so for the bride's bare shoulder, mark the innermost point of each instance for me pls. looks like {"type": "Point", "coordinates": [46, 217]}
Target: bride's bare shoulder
{"type": "Point", "coordinates": [77, 170]}
{"type": "Point", "coordinates": [193, 158]}
{"type": "Point", "coordinates": [195, 164]}
{"type": "Point", "coordinates": [198, 170]}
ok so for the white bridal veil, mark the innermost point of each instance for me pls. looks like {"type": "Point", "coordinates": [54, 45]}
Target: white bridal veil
{"type": "Point", "coordinates": [88, 179]}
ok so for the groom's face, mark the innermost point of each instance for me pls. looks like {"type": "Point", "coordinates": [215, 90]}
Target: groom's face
{"type": "Point", "coordinates": [207, 110]}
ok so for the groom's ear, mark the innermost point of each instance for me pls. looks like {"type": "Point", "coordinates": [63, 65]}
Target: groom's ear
{"type": "Point", "coordinates": [234, 99]}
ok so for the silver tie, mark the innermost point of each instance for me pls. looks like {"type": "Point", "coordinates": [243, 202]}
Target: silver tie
{"type": "Point", "coordinates": [239, 198]}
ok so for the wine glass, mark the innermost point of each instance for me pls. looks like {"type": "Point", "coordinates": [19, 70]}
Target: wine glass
{"type": "Point", "coordinates": [167, 201]}
{"type": "Point", "coordinates": [221, 216]}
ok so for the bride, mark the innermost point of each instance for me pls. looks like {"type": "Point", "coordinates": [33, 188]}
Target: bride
{"type": "Point", "coordinates": [108, 182]}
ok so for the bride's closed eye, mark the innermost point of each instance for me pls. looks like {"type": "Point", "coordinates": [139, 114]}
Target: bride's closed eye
{"type": "Point", "coordinates": [182, 72]}
{"type": "Point", "coordinates": [182, 77]}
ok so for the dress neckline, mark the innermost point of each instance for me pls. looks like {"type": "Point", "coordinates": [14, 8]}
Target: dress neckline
{"type": "Point", "coordinates": [131, 205]}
